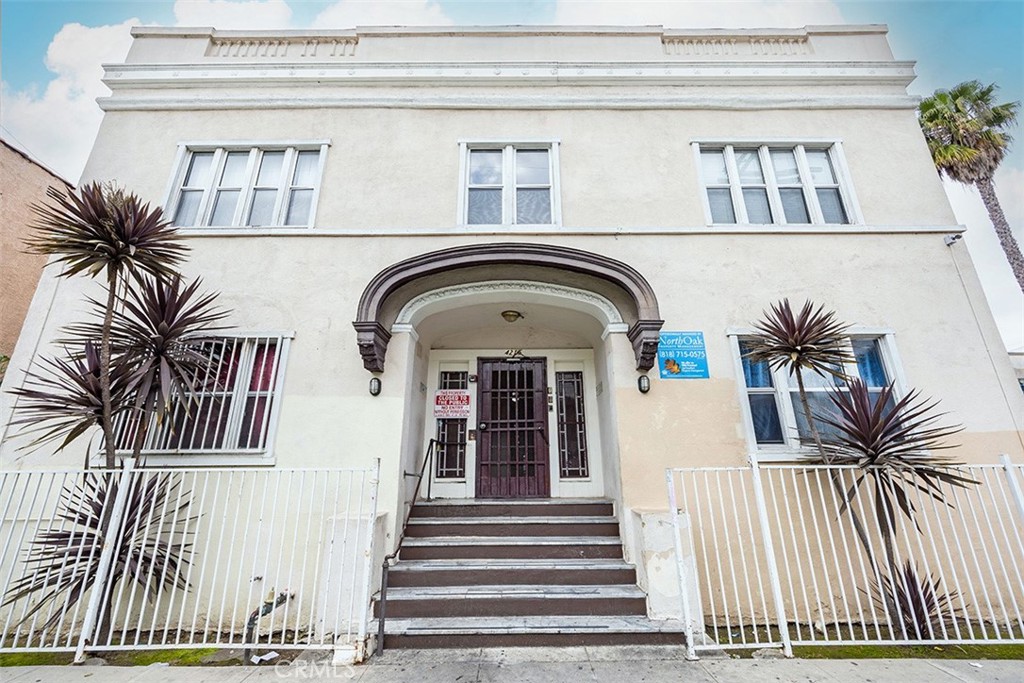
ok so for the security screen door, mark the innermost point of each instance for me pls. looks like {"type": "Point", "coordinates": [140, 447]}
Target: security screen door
{"type": "Point", "coordinates": [512, 423]}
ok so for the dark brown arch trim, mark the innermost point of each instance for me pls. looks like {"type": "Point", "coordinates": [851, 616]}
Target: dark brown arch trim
{"type": "Point", "coordinates": [372, 335]}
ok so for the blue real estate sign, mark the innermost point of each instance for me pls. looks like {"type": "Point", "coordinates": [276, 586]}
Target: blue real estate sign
{"type": "Point", "coordinates": [682, 355]}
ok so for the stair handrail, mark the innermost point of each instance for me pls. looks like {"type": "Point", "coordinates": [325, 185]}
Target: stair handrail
{"type": "Point", "coordinates": [428, 457]}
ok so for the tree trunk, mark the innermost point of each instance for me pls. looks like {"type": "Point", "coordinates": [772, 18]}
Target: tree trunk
{"type": "Point", "coordinates": [108, 318]}
{"type": "Point", "coordinates": [810, 419]}
{"type": "Point", "coordinates": [1006, 239]}
{"type": "Point", "coordinates": [858, 526]}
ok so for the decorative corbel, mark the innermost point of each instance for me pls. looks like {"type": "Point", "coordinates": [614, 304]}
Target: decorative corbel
{"type": "Point", "coordinates": [372, 339]}
{"type": "Point", "coordinates": [643, 334]}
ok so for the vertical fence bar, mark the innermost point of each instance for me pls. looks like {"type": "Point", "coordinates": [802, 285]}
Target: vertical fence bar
{"type": "Point", "coordinates": [364, 598]}
{"type": "Point", "coordinates": [1011, 477]}
{"type": "Point", "coordinates": [684, 595]}
{"type": "Point", "coordinates": [99, 589]}
{"type": "Point", "coordinates": [769, 550]}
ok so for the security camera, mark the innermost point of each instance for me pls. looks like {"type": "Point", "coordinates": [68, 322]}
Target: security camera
{"type": "Point", "coordinates": [950, 239]}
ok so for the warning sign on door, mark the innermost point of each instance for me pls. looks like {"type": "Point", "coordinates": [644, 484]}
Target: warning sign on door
{"type": "Point", "coordinates": [451, 403]}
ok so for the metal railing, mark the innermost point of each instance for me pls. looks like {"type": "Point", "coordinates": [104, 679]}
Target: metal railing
{"type": "Point", "coordinates": [428, 458]}
{"type": "Point", "coordinates": [175, 558]}
{"type": "Point", "coordinates": [784, 555]}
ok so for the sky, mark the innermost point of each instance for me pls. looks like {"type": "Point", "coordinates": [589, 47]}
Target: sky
{"type": "Point", "coordinates": [51, 52]}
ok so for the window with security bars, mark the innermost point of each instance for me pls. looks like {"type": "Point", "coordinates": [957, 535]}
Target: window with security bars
{"type": "Point", "coordinates": [774, 184]}
{"type": "Point", "coordinates": [247, 187]}
{"type": "Point", "coordinates": [572, 426]}
{"type": "Point", "coordinates": [510, 185]}
{"type": "Point", "coordinates": [450, 456]}
{"type": "Point", "coordinates": [232, 409]}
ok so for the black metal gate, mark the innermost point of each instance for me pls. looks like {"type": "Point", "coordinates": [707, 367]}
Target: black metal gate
{"type": "Point", "coordinates": [512, 450]}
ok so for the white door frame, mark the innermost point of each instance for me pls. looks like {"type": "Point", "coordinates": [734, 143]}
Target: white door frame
{"type": "Point", "coordinates": [558, 360]}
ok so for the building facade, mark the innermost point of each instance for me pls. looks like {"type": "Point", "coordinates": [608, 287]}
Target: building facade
{"type": "Point", "coordinates": [542, 247]}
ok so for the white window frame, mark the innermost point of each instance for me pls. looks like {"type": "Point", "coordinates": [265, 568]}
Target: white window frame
{"type": "Point", "coordinates": [509, 187]}
{"type": "Point", "coordinates": [255, 149]}
{"type": "Point", "coordinates": [832, 147]}
{"type": "Point", "coordinates": [792, 449]}
{"type": "Point", "coordinates": [234, 456]}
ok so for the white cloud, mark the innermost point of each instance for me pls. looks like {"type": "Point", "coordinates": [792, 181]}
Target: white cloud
{"type": "Point", "coordinates": [58, 126]}
{"type": "Point", "coordinates": [222, 14]}
{"type": "Point", "coordinates": [351, 13]}
{"type": "Point", "coordinates": [1004, 296]}
{"type": "Point", "coordinates": [700, 13]}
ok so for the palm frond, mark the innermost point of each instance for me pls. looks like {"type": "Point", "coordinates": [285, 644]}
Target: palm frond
{"type": "Point", "coordinates": [895, 442]}
{"type": "Point", "coordinates": [922, 604]}
{"type": "Point", "coordinates": [61, 398]}
{"type": "Point", "coordinates": [967, 132]}
{"type": "Point", "coordinates": [150, 543]}
{"type": "Point", "coordinates": [812, 339]}
{"type": "Point", "coordinates": [96, 229]}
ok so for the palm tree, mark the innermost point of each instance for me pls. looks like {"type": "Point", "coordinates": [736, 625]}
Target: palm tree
{"type": "Point", "coordinates": [967, 137]}
{"type": "Point", "coordinates": [105, 230]}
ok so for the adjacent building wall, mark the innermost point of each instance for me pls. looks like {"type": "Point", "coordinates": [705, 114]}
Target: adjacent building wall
{"type": "Point", "coordinates": [23, 181]}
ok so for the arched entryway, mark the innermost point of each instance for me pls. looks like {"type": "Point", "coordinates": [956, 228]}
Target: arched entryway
{"type": "Point", "coordinates": [394, 286]}
{"type": "Point", "coordinates": [508, 355]}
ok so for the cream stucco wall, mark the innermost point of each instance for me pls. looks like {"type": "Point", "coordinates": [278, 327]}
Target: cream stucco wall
{"type": "Point", "coordinates": [629, 190]}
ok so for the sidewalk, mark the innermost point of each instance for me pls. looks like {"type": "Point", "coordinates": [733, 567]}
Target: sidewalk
{"type": "Point", "coordinates": [549, 665]}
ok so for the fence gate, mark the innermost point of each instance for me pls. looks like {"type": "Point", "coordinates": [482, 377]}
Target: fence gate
{"type": "Point", "coordinates": [225, 558]}
{"type": "Point", "coordinates": [783, 555]}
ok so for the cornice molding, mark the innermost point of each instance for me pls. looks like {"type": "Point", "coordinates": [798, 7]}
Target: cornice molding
{"type": "Point", "coordinates": [289, 74]}
{"type": "Point", "coordinates": [288, 100]}
{"type": "Point", "coordinates": [594, 231]}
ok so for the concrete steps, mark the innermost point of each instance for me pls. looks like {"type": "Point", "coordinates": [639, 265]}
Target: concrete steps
{"type": "Point", "coordinates": [505, 573]}
{"type": "Point", "coordinates": [550, 631]}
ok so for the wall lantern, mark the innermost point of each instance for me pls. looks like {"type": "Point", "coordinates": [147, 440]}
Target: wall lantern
{"type": "Point", "coordinates": [643, 383]}
{"type": "Point", "coordinates": [375, 386]}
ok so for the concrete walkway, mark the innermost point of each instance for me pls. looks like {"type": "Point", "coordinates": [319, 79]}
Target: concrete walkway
{"type": "Point", "coordinates": [543, 665]}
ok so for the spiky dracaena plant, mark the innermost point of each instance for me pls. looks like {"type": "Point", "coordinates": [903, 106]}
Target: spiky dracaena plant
{"type": "Point", "coordinates": [161, 334]}
{"type": "Point", "coordinates": [61, 399]}
{"type": "Point", "coordinates": [921, 602]}
{"type": "Point", "coordinates": [159, 351]}
{"type": "Point", "coordinates": [894, 443]}
{"type": "Point", "coordinates": [150, 545]}
{"type": "Point", "coordinates": [812, 340]}
{"type": "Point", "coordinates": [106, 231]}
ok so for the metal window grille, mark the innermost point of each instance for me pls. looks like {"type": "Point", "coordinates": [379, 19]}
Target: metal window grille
{"type": "Point", "coordinates": [572, 427]}
{"type": "Point", "coordinates": [451, 432]}
{"type": "Point", "coordinates": [230, 411]}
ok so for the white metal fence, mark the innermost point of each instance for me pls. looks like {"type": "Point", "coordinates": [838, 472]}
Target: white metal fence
{"type": "Point", "coordinates": [772, 556]}
{"type": "Point", "coordinates": [239, 558]}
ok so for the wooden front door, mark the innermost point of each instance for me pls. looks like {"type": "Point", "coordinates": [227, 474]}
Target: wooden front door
{"type": "Point", "coordinates": [512, 424]}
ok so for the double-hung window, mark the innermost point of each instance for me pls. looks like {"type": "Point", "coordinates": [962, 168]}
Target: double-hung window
{"type": "Point", "coordinates": [781, 184]}
{"type": "Point", "coordinates": [509, 184]}
{"type": "Point", "coordinates": [772, 408]}
{"type": "Point", "coordinates": [233, 407]}
{"type": "Point", "coordinates": [266, 186]}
